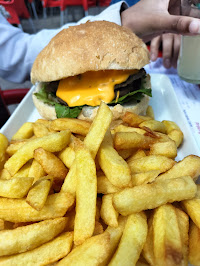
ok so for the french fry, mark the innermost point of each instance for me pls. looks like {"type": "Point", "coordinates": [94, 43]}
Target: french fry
{"type": "Point", "coordinates": [69, 184]}
{"type": "Point", "coordinates": [108, 213]}
{"type": "Point", "coordinates": [154, 125]}
{"type": "Point", "coordinates": [170, 125]}
{"type": "Point", "coordinates": [132, 241]}
{"type": "Point", "coordinates": [144, 178]}
{"type": "Point", "coordinates": [136, 155]}
{"type": "Point", "coordinates": [18, 210]}
{"type": "Point", "coordinates": [104, 186]}
{"type": "Point", "coordinates": [92, 252]}
{"type": "Point", "coordinates": [36, 171]}
{"type": "Point", "coordinates": [31, 236]}
{"type": "Point", "coordinates": [115, 167]}
{"type": "Point", "coordinates": [150, 196]}
{"type": "Point", "coordinates": [194, 244]}
{"type": "Point", "coordinates": [147, 251]}
{"type": "Point", "coordinates": [38, 193]}
{"type": "Point", "coordinates": [24, 132]}
{"type": "Point", "coordinates": [168, 149]}
{"type": "Point", "coordinates": [3, 147]}
{"type": "Point", "coordinates": [150, 163]}
{"type": "Point", "coordinates": [67, 156]}
{"type": "Point", "coordinates": [14, 147]}
{"type": "Point", "coordinates": [166, 237]}
{"type": "Point", "coordinates": [150, 112]}
{"type": "Point", "coordinates": [98, 129]}
{"type": "Point", "coordinates": [24, 170]}
{"type": "Point", "coordinates": [177, 136]}
{"type": "Point", "coordinates": [98, 229]}
{"type": "Point", "coordinates": [190, 165]}
{"type": "Point", "coordinates": [125, 154]}
{"type": "Point", "coordinates": [17, 187]}
{"type": "Point", "coordinates": [51, 164]}
{"type": "Point", "coordinates": [53, 143]}
{"type": "Point", "coordinates": [129, 140]}
{"type": "Point", "coordinates": [183, 223]}
{"type": "Point", "coordinates": [115, 236]}
{"type": "Point", "coordinates": [86, 191]}
{"type": "Point", "coordinates": [43, 255]}
{"type": "Point", "coordinates": [123, 128]}
{"type": "Point", "coordinates": [40, 130]}
{"type": "Point", "coordinates": [2, 225]}
{"type": "Point", "coordinates": [192, 207]}
{"type": "Point", "coordinates": [76, 126]}
{"type": "Point", "coordinates": [133, 119]}
{"type": "Point", "coordinates": [4, 174]}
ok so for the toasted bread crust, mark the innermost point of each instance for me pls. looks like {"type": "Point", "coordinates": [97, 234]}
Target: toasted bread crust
{"type": "Point", "coordinates": [91, 46]}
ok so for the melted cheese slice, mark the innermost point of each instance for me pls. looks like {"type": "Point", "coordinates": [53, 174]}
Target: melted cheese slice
{"type": "Point", "coordinates": [91, 87]}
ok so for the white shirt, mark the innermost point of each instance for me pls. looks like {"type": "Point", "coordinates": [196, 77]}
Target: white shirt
{"type": "Point", "coordinates": [18, 49]}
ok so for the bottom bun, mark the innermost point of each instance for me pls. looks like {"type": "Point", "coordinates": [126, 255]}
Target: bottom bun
{"type": "Point", "coordinates": [88, 112]}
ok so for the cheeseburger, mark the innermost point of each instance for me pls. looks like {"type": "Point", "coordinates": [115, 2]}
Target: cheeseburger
{"type": "Point", "coordinates": [89, 63]}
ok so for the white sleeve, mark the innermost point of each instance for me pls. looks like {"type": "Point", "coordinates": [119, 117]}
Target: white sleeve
{"type": "Point", "coordinates": [18, 50]}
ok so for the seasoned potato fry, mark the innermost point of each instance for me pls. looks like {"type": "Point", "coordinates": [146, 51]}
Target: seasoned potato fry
{"type": "Point", "coordinates": [168, 149]}
{"type": "Point", "coordinates": [154, 125]}
{"type": "Point", "coordinates": [92, 252]}
{"type": "Point", "coordinates": [38, 193]}
{"type": "Point", "coordinates": [194, 244]}
{"type": "Point", "coordinates": [53, 143]}
{"type": "Point", "coordinates": [36, 171]}
{"type": "Point", "coordinates": [24, 132]}
{"type": "Point", "coordinates": [98, 129]}
{"type": "Point", "coordinates": [150, 163]}
{"type": "Point", "coordinates": [132, 241]}
{"type": "Point", "coordinates": [28, 237]}
{"type": "Point", "coordinates": [134, 120]}
{"type": "Point", "coordinates": [3, 147]}
{"type": "Point", "coordinates": [123, 140]}
{"type": "Point", "coordinates": [18, 210]}
{"type": "Point", "coordinates": [67, 156]}
{"type": "Point", "coordinates": [144, 178]}
{"type": "Point", "coordinates": [149, 196]}
{"type": "Point", "coordinates": [17, 187]}
{"type": "Point", "coordinates": [115, 167]}
{"type": "Point", "coordinates": [104, 186]}
{"type": "Point", "coordinates": [108, 213]}
{"type": "Point", "coordinates": [40, 130]}
{"type": "Point", "coordinates": [74, 125]}
{"type": "Point", "coordinates": [166, 237]}
{"type": "Point", "coordinates": [45, 254]}
{"type": "Point", "coordinates": [190, 165]}
{"type": "Point", "coordinates": [51, 164]}
{"type": "Point", "coordinates": [86, 191]}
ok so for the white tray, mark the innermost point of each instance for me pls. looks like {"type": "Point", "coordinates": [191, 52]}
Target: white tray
{"type": "Point", "coordinates": [164, 103]}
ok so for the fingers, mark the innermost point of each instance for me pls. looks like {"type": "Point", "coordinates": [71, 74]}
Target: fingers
{"type": "Point", "coordinates": [170, 49]}
{"type": "Point", "coordinates": [154, 47]}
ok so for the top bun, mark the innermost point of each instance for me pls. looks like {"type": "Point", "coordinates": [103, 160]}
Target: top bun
{"type": "Point", "coordinates": [92, 46]}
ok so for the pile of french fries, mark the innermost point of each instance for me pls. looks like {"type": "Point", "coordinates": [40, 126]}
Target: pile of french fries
{"type": "Point", "coordinates": [102, 193]}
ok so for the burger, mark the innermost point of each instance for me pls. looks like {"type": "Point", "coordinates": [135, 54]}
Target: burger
{"type": "Point", "coordinates": [89, 63]}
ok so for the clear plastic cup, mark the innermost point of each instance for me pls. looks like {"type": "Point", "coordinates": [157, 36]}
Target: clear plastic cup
{"type": "Point", "coordinates": [189, 56]}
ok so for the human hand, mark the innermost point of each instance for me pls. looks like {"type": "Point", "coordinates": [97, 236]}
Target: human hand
{"type": "Point", "coordinates": [170, 48]}
{"type": "Point", "coordinates": [150, 18]}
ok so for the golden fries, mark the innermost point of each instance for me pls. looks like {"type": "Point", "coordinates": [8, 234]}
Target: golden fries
{"type": "Point", "coordinates": [101, 193]}
{"type": "Point", "coordinates": [150, 196]}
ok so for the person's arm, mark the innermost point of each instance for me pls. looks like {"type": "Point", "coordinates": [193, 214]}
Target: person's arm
{"type": "Point", "coordinates": [18, 49]}
{"type": "Point", "coordinates": [150, 18]}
